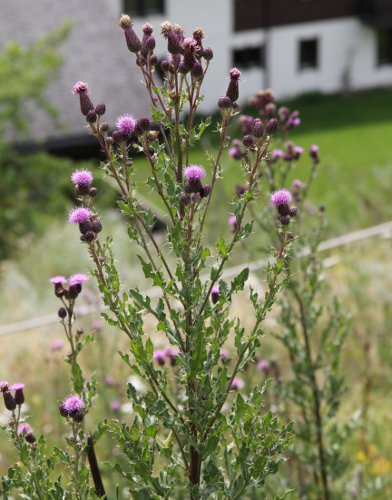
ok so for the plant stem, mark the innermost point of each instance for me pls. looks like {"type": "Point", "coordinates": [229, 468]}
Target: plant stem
{"type": "Point", "coordinates": [316, 399]}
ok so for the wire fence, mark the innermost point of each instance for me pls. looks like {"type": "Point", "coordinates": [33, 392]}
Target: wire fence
{"type": "Point", "coordinates": [383, 230]}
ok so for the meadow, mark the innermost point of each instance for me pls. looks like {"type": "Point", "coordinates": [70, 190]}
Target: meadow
{"type": "Point", "coordinates": [354, 183]}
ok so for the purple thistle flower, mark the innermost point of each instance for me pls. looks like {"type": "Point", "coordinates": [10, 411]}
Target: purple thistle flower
{"type": "Point", "coordinates": [194, 173]}
{"type": "Point", "coordinates": [96, 325]}
{"type": "Point", "coordinates": [19, 396]}
{"type": "Point", "coordinates": [224, 354]}
{"type": "Point", "coordinates": [24, 429]}
{"type": "Point", "coordinates": [263, 365]}
{"type": "Point", "coordinates": [171, 352]}
{"type": "Point", "coordinates": [80, 87]}
{"type": "Point", "coordinates": [159, 356]}
{"type": "Point", "coordinates": [72, 404]}
{"type": "Point", "coordinates": [17, 387]}
{"type": "Point", "coordinates": [277, 154]}
{"type": "Point", "coordinates": [58, 280]}
{"type": "Point", "coordinates": [82, 178]}
{"type": "Point", "coordinates": [314, 149]}
{"type": "Point", "coordinates": [56, 345]}
{"type": "Point", "coordinates": [232, 90]}
{"type": "Point", "coordinates": [237, 384]}
{"type": "Point", "coordinates": [115, 405]}
{"type": "Point", "coordinates": [298, 150]}
{"type": "Point", "coordinates": [78, 279]}
{"type": "Point", "coordinates": [3, 386]}
{"type": "Point", "coordinates": [281, 197]}
{"type": "Point", "coordinates": [233, 223]}
{"type": "Point", "coordinates": [215, 293]}
{"type": "Point", "coordinates": [109, 381]}
{"type": "Point", "coordinates": [235, 152]}
{"type": "Point", "coordinates": [297, 184]}
{"type": "Point", "coordinates": [79, 215]}
{"type": "Point", "coordinates": [126, 124]}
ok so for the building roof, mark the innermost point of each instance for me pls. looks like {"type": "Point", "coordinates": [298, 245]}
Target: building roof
{"type": "Point", "coordinates": [95, 52]}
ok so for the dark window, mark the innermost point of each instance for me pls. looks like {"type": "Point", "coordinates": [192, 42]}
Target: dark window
{"type": "Point", "coordinates": [249, 57]}
{"type": "Point", "coordinates": [384, 46]}
{"type": "Point", "coordinates": [248, 14]}
{"type": "Point", "coordinates": [308, 54]}
{"type": "Point", "coordinates": [143, 7]}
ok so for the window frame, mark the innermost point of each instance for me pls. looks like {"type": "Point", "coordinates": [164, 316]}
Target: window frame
{"type": "Point", "coordinates": [250, 65]}
{"type": "Point", "coordinates": [381, 61]}
{"type": "Point", "coordinates": [141, 10]}
{"type": "Point", "coordinates": [306, 66]}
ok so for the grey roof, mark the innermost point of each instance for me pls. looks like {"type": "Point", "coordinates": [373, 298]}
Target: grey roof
{"type": "Point", "coordinates": [95, 52]}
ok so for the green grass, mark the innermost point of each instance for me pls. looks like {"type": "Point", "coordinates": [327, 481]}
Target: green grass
{"type": "Point", "coordinates": [354, 134]}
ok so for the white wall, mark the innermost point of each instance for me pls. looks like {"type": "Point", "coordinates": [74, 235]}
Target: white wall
{"type": "Point", "coordinates": [346, 47]}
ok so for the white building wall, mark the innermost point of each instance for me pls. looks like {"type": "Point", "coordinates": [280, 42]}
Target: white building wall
{"type": "Point", "coordinates": [347, 48]}
{"type": "Point", "coordinates": [347, 51]}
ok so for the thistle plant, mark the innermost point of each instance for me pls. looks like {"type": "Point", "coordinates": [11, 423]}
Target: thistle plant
{"type": "Point", "coordinates": [311, 329]}
{"type": "Point", "coordinates": [194, 430]}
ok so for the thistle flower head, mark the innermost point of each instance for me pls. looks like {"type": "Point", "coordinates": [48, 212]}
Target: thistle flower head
{"type": "Point", "coordinates": [237, 384]}
{"type": "Point", "coordinates": [148, 29]}
{"type": "Point", "coordinates": [298, 150]}
{"type": "Point", "coordinates": [80, 87]}
{"type": "Point", "coordinates": [3, 385]}
{"type": "Point", "coordinates": [126, 124]}
{"type": "Point", "coordinates": [235, 73]}
{"type": "Point", "coordinates": [125, 22]}
{"type": "Point", "coordinates": [165, 28]}
{"type": "Point", "coordinates": [194, 173]}
{"type": "Point", "coordinates": [58, 280]}
{"type": "Point", "coordinates": [56, 345]}
{"type": "Point", "coordinates": [17, 387]}
{"type": "Point", "coordinates": [24, 429]}
{"type": "Point", "coordinates": [198, 34]}
{"type": "Point", "coordinates": [78, 279]}
{"type": "Point", "coordinates": [232, 220]}
{"type": "Point", "coordinates": [72, 404]}
{"type": "Point", "coordinates": [280, 197]}
{"type": "Point", "coordinates": [80, 215]}
{"type": "Point", "coordinates": [314, 149]}
{"type": "Point", "coordinates": [277, 153]}
{"type": "Point", "coordinates": [115, 405]}
{"type": "Point", "coordinates": [263, 365]}
{"type": "Point", "coordinates": [159, 356]}
{"type": "Point", "coordinates": [82, 178]}
{"type": "Point", "coordinates": [224, 354]}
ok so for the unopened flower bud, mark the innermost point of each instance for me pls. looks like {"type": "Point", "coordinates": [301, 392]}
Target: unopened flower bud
{"type": "Point", "coordinates": [62, 312]}
{"type": "Point", "coordinates": [208, 54]}
{"type": "Point", "coordinates": [283, 209]}
{"type": "Point", "coordinates": [258, 128]}
{"type": "Point", "coordinates": [215, 294]}
{"type": "Point", "coordinates": [100, 109]}
{"type": "Point", "coordinates": [89, 236]}
{"type": "Point", "coordinates": [152, 135]}
{"type": "Point", "coordinates": [93, 192]}
{"type": "Point", "coordinates": [9, 401]}
{"type": "Point", "coordinates": [165, 66]}
{"type": "Point", "coordinates": [104, 126]}
{"type": "Point", "coordinates": [232, 90]}
{"type": "Point", "coordinates": [293, 211]}
{"type": "Point", "coordinates": [30, 438]}
{"type": "Point", "coordinates": [247, 141]}
{"type": "Point", "coordinates": [272, 126]}
{"type": "Point", "coordinates": [184, 198]}
{"type": "Point", "coordinates": [197, 71]}
{"type": "Point", "coordinates": [91, 116]}
{"type": "Point", "coordinates": [96, 226]}
{"type": "Point", "coordinates": [205, 191]}
{"type": "Point", "coordinates": [224, 102]}
{"type": "Point", "coordinates": [144, 124]}
{"type": "Point", "coordinates": [133, 42]}
{"type": "Point", "coordinates": [284, 219]}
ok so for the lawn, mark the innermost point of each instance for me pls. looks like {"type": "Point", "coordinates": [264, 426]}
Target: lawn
{"type": "Point", "coordinates": [354, 134]}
